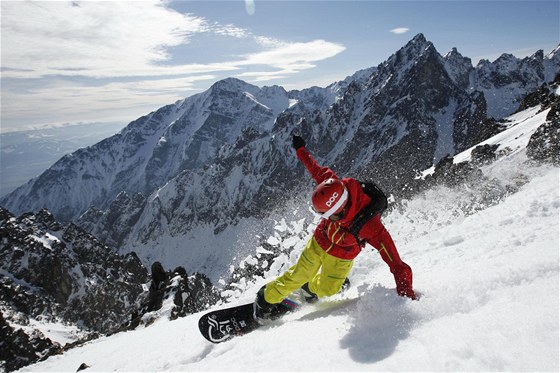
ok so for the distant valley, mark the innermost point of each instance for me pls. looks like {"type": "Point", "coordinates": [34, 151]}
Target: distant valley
{"type": "Point", "coordinates": [26, 154]}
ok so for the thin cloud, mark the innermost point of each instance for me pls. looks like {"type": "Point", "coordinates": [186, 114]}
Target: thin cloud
{"type": "Point", "coordinates": [400, 30]}
{"type": "Point", "coordinates": [127, 48]}
{"type": "Point", "coordinates": [290, 58]}
{"type": "Point", "coordinates": [125, 39]}
{"type": "Point", "coordinates": [75, 100]}
{"type": "Point", "coordinates": [229, 30]}
{"type": "Point", "coordinates": [93, 39]}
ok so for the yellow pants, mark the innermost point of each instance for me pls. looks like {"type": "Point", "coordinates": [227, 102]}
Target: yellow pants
{"type": "Point", "coordinates": [328, 282]}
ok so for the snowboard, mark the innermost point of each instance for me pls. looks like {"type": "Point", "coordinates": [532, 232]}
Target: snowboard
{"type": "Point", "coordinates": [222, 325]}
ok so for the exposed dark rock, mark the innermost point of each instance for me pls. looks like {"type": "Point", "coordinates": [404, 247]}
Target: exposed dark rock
{"type": "Point", "coordinates": [18, 348]}
{"type": "Point", "coordinates": [188, 294]}
{"type": "Point", "coordinates": [544, 144]}
{"type": "Point", "coordinates": [60, 273]}
{"type": "Point", "coordinates": [484, 154]}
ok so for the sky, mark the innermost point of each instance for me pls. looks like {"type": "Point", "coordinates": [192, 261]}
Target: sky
{"type": "Point", "coordinates": [68, 62]}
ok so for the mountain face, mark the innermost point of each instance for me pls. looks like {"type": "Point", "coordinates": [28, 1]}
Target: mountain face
{"type": "Point", "coordinates": [410, 103]}
{"type": "Point", "coordinates": [507, 80]}
{"type": "Point", "coordinates": [80, 278]}
{"type": "Point", "coordinates": [223, 157]}
{"type": "Point", "coordinates": [153, 149]}
{"type": "Point", "coordinates": [61, 276]}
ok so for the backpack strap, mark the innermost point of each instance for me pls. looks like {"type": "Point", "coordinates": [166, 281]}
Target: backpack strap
{"type": "Point", "coordinates": [377, 205]}
{"type": "Point", "coordinates": [363, 216]}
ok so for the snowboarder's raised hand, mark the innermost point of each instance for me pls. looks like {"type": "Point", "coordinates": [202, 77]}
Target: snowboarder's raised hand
{"type": "Point", "coordinates": [297, 142]}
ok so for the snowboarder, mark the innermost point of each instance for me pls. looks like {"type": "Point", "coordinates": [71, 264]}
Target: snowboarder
{"type": "Point", "coordinates": [333, 247]}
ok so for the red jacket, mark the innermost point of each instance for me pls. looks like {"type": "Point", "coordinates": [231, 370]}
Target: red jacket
{"type": "Point", "coordinates": [334, 237]}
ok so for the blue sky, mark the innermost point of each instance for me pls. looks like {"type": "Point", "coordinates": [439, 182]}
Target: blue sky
{"type": "Point", "coordinates": [100, 61]}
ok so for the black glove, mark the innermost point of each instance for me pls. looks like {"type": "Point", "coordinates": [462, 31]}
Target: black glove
{"type": "Point", "coordinates": [297, 142]}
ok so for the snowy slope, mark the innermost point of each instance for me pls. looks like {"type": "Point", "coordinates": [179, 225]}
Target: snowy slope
{"type": "Point", "coordinates": [519, 127]}
{"type": "Point", "coordinates": [489, 299]}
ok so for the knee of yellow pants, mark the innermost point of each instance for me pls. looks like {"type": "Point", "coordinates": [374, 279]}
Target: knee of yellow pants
{"type": "Point", "coordinates": [303, 271]}
{"type": "Point", "coordinates": [332, 276]}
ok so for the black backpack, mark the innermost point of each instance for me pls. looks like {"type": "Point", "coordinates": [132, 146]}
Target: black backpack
{"type": "Point", "coordinates": [377, 206]}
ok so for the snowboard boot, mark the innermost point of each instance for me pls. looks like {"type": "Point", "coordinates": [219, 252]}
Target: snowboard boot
{"type": "Point", "coordinates": [262, 310]}
{"type": "Point", "coordinates": [345, 285]}
{"type": "Point", "coordinates": [309, 296]}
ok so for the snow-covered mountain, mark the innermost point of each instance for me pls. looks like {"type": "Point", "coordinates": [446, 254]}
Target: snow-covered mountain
{"type": "Point", "coordinates": [152, 149]}
{"type": "Point", "coordinates": [483, 245]}
{"type": "Point", "coordinates": [179, 183]}
{"type": "Point", "coordinates": [507, 80]}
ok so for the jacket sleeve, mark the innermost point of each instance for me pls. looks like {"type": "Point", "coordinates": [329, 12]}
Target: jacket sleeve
{"type": "Point", "coordinates": [377, 236]}
{"type": "Point", "coordinates": [318, 173]}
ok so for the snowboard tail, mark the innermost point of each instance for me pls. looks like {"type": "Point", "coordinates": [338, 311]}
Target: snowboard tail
{"type": "Point", "coordinates": [222, 325]}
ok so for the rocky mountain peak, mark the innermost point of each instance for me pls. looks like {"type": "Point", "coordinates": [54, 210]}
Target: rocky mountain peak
{"type": "Point", "coordinates": [232, 85]}
{"type": "Point", "coordinates": [539, 55]}
{"type": "Point", "coordinates": [418, 39]}
{"type": "Point", "coordinates": [453, 56]}
{"type": "Point", "coordinates": [415, 50]}
{"type": "Point", "coordinates": [458, 67]}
